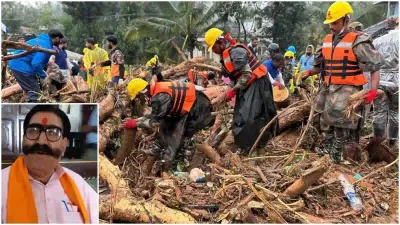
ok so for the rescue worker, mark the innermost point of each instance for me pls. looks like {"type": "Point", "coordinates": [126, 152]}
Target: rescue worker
{"type": "Point", "coordinates": [200, 78]}
{"type": "Point", "coordinates": [386, 108]}
{"type": "Point", "coordinates": [353, 53]}
{"type": "Point", "coordinates": [153, 64]}
{"type": "Point", "coordinates": [116, 61]}
{"type": "Point", "coordinates": [254, 106]}
{"type": "Point", "coordinates": [253, 46]}
{"type": "Point", "coordinates": [29, 70]}
{"type": "Point", "coordinates": [273, 65]}
{"type": "Point", "coordinates": [306, 63]}
{"type": "Point", "coordinates": [356, 26]}
{"type": "Point", "coordinates": [178, 109]}
{"type": "Point", "coordinates": [288, 71]}
{"type": "Point", "coordinates": [93, 54]}
{"type": "Point", "coordinates": [293, 49]}
{"type": "Point", "coordinates": [273, 49]}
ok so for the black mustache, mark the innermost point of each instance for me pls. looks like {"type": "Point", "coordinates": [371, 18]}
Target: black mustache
{"type": "Point", "coordinates": [41, 149]}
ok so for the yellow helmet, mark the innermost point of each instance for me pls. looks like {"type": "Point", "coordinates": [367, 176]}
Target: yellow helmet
{"type": "Point", "coordinates": [337, 10]}
{"type": "Point", "coordinates": [211, 37]}
{"type": "Point", "coordinates": [135, 86]}
{"type": "Point", "coordinates": [289, 54]}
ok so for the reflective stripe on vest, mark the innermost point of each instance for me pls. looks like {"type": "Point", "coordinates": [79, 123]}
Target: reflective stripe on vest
{"type": "Point", "coordinates": [258, 70]}
{"type": "Point", "coordinates": [341, 64]}
{"type": "Point", "coordinates": [192, 74]}
{"type": "Point", "coordinates": [183, 94]}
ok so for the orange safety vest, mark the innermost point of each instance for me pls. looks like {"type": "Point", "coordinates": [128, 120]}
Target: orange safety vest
{"type": "Point", "coordinates": [182, 93]}
{"type": "Point", "coordinates": [341, 64]}
{"type": "Point", "coordinates": [258, 69]}
{"type": "Point", "coordinates": [192, 74]}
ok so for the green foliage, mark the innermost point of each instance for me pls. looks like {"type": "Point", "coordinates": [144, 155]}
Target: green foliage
{"type": "Point", "coordinates": [183, 22]}
{"type": "Point", "coordinates": [145, 28]}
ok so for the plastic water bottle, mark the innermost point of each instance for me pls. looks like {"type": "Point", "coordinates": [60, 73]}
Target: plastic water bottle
{"type": "Point", "coordinates": [349, 191]}
{"type": "Point", "coordinates": [181, 174]}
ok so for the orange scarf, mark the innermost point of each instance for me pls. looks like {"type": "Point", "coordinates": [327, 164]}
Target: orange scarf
{"type": "Point", "coordinates": [21, 206]}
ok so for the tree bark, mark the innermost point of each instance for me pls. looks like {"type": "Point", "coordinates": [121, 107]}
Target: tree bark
{"type": "Point", "coordinates": [128, 144]}
{"type": "Point", "coordinates": [106, 107]}
{"type": "Point", "coordinates": [128, 209]}
{"type": "Point", "coordinates": [308, 178]}
{"type": "Point", "coordinates": [294, 115]}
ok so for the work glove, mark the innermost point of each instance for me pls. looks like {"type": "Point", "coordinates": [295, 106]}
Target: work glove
{"type": "Point", "coordinates": [291, 87]}
{"type": "Point", "coordinates": [370, 96]}
{"type": "Point", "coordinates": [230, 94]}
{"type": "Point", "coordinates": [130, 124]}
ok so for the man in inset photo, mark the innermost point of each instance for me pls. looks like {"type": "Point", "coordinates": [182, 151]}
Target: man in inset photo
{"type": "Point", "coordinates": [36, 188]}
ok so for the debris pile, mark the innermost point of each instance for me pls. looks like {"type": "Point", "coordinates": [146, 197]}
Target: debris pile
{"type": "Point", "coordinates": [286, 182]}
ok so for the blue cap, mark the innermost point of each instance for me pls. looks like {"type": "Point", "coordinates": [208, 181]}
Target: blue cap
{"type": "Point", "coordinates": [292, 49]}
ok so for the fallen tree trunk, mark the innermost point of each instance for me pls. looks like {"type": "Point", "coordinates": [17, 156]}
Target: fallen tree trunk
{"type": "Point", "coordinates": [128, 209]}
{"type": "Point", "coordinates": [128, 143]}
{"type": "Point", "coordinates": [7, 92]}
{"type": "Point", "coordinates": [29, 49]}
{"type": "Point", "coordinates": [106, 107]}
{"type": "Point", "coordinates": [183, 68]}
{"type": "Point", "coordinates": [294, 115]}
{"type": "Point", "coordinates": [309, 177]}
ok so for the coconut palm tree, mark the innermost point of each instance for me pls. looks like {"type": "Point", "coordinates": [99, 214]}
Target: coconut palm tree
{"type": "Point", "coordinates": [183, 22]}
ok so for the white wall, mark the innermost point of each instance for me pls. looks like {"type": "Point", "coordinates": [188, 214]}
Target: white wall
{"type": "Point", "coordinates": [74, 115]}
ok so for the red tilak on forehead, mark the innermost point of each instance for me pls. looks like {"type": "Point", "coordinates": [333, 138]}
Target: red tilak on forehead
{"type": "Point", "coordinates": [44, 120]}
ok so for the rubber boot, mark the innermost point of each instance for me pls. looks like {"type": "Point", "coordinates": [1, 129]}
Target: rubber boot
{"type": "Point", "coordinates": [373, 149]}
{"type": "Point", "coordinates": [352, 152]}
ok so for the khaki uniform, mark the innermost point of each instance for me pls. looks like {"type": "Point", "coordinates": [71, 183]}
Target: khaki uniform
{"type": "Point", "coordinates": [332, 99]}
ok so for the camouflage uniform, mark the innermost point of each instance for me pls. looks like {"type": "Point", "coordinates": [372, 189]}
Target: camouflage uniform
{"type": "Point", "coordinates": [55, 79]}
{"type": "Point", "coordinates": [287, 74]}
{"type": "Point", "coordinates": [337, 130]}
{"type": "Point", "coordinates": [386, 109]}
